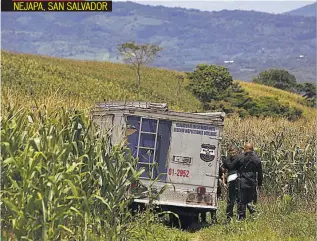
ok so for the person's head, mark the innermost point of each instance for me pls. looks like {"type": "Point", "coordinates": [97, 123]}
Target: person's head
{"type": "Point", "coordinates": [248, 147]}
{"type": "Point", "coordinates": [233, 150]}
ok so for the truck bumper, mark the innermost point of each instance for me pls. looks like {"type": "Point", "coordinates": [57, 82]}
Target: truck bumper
{"type": "Point", "coordinates": [180, 205]}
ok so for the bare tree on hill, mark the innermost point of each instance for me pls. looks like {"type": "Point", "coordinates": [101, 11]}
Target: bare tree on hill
{"type": "Point", "coordinates": [138, 55]}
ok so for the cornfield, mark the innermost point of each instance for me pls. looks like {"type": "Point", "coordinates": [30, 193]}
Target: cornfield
{"type": "Point", "coordinates": [84, 82]}
{"type": "Point", "coordinates": [59, 179]}
{"type": "Point", "coordinates": [287, 150]}
{"type": "Point", "coordinates": [59, 183]}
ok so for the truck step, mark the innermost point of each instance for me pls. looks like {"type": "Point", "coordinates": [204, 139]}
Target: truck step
{"type": "Point", "coordinates": [147, 148]}
{"type": "Point", "coordinates": [146, 132]}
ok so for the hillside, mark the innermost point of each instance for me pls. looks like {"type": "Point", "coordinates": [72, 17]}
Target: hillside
{"type": "Point", "coordinates": [27, 79]}
{"type": "Point", "coordinates": [295, 100]}
{"type": "Point", "coordinates": [72, 83]}
{"type": "Point", "coordinates": [307, 11]}
{"type": "Point", "coordinates": [254, 40]}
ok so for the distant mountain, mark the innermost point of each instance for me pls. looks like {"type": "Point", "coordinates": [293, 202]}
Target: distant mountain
{"type": "Point", "coordinates": [308, 11]}
{"type": "Point", "coordinates": [251, 41]}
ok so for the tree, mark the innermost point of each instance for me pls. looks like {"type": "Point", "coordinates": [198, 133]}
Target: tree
{"type": "Point", "coordinates": [308, 91]}
{"type": "Point", "coordinates": [138, 55]}
{"type": "Point", "coordinates": [277, 78]}
{"type": "Point", "coordinates": [214, 86]}
{"type": "Point", "coordinates": [208, 82]}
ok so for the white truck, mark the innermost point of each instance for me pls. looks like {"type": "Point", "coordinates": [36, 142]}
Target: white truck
{"type": "Point", "coordinates": [185, 147]}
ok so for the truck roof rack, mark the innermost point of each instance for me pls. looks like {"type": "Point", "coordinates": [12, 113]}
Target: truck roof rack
{"type": "Point", "coordinates": [123, 105]}
{"type": "Point", "coordinates": [222, 114]}
{"type": "Point", "coordinates": [155, 110]}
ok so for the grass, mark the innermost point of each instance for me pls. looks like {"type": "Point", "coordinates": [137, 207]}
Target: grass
{"type": "Point", "coordinates": [272, 224]}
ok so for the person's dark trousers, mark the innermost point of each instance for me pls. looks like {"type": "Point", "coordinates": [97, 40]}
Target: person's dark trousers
{"type": "Point", "coordinates": [232, 197]}
{"type": "Point", "coordinates": [246, 196]}
{"type": "Point", "coordinates": [255, 200]}
{"type": "Point", "coordinates": [250, 206]}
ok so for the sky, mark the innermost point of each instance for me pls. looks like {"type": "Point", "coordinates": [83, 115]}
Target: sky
{"type": "Point", "coordinates": [273, 6]}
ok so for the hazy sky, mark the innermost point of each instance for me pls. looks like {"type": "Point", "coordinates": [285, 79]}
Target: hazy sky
{"type": "Point", "coordinates": [274, 6]}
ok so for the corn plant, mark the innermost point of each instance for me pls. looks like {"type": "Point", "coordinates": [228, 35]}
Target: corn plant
{"type": "Point", "coordinates": [287, 151]}
{"type": "Point", "coordinates": [59, 180]}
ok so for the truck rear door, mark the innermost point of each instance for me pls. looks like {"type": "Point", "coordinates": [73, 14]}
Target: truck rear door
{"type": "Point", "coordinates": [193, 156]}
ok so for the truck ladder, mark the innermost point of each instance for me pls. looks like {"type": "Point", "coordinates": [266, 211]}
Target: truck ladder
{"type": "Point", "coordinates": [148, 148]}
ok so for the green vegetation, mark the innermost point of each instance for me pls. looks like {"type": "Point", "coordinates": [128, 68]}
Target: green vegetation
{"type": "Point", "coordinates": [54, 167]}
{"type": "Point", "coordinates": [279, 220]}
{"type": "Point", "coordinates": [268, 106]}
{"type": "Point", "coordinates": [274, 223]}
{"type": "Point", "coordinates": [277, 78]}
{"type": "Point", "coordinates": [257, 91]}
{"type": "Point", "coordinates": [78, 84]}
{"type": "Point", "coordinates": [287, 150]}
{"type": "Point", "coordinates": [310, 92]}
{"type": "Point", "coordinates": [54, 172]}
{"type": "Point", "coordinates": [214, 87]}
{"type": "Point", "coordinates": [209, 82]}
{"type": "Point", "coordinates": [59, 180]}
{"type": "Point", "coordinates": [282, 79]}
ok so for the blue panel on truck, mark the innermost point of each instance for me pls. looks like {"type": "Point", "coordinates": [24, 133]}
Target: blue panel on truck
{"type": "Point", "coordinates": [147, 140]}
{"type": "Point", "coordinates": [146, 156]}
{"type": "Point", "coordinates": [149, 125]}
{"type": "Point", "coordinates": [164, 137]}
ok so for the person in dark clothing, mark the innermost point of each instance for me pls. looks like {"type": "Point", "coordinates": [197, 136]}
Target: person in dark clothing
{"type": "Point", "coordinates": [231, 180]}
{"type": "Point", "coordinates": [251, 206]}
{"type": "Point", "coordinates": [248, 166]}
